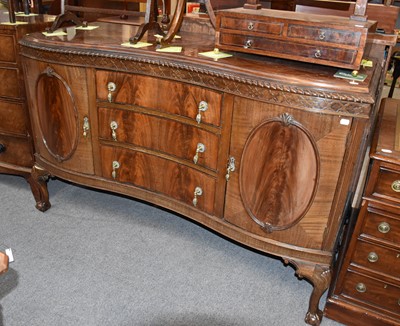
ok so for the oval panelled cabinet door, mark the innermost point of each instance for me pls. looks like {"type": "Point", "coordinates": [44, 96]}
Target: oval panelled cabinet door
{"type": "Point", "coordinates": [279, 173]}
{"type": "Point", "coordinates": [58, 116]}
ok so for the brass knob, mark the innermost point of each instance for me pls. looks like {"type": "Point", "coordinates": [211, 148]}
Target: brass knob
{"type": "Point", "coordinates": [200, 149]}
{"type": "Point", "coordinates": [317, 54]}
{"type": "Point", "coordinates": [383, 227]}
{"type": "Point", "coordinates": [250, 26]}
{"type": "Point", "coordinates": [248, 44]}
{"type": "Point", "coordinates": [203, 106]}
{"type": "Point", "coordinates": [197, 192]}
{"type": "Point", "coordinates": [114, 126]}
{"type": "Point", "coordinates": [372, 257]}
{"type": "Point", "coordinates": [396, 186]}
{"type": "Point", "coordinates": [115, 167]}
{"type": "Point", "coordinates": [360, 287]}
{"type": "Point", "coordinates": [111, 87]}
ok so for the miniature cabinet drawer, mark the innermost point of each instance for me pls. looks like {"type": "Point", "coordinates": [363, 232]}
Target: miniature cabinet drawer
{"type": "Point", "coordinates": [387, 185]}
{"type": "Point", "coordinates": [262, 45]}
{"type": "Point", "coordinates": [9, 86]}
{"type": "Point", "coordinates": [161, 95]}
{"type": "Point", "coordinates": [268, 28]}
{"type": "Point", "coordinates": [8, 52]}
{"type": "Point", "coordinates": [381, 225]}
{"type": "Point", "coordinates": [377, 258]}
{"type": "Point", "coordinates": [160, 134]}
{"type": "Point", "coordinates": [372, 291]}
{"type": "Point", "coordinates": [159, 175]}
{"type": "Point", "coordinates": [17, 151]}
{"type": "Point", "coordinates": [13, 117]}
{"type": "Point", "coordinates": [319, 33]}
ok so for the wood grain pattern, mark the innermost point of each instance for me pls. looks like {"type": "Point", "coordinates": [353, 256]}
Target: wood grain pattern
{"type": "Point", "coordinates": [9, 87]}
{"type": "Point", "coordinates": [8, 51]}
{"type": "Point", "coordinates": [14, 118]}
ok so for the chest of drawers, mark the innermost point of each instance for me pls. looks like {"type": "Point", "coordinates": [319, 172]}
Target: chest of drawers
{"type": "Point", "coordinates": [327, 40]}
{"type": "Point", "coordinates": [368, 286]}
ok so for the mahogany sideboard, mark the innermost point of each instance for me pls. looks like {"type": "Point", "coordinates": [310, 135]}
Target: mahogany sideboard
{"type": "Point", "coordinates": [16, 145]}
{"type": "Point", "coordinates": [264, 151]}
{"type": "Point", "coordinates": [367, 288]}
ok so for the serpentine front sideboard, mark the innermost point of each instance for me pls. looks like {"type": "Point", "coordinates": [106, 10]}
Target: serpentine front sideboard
{"type": "Point", "coordinates": [264, 151]}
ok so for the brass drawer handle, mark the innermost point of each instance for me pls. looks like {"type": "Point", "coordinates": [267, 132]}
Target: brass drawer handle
{"type": "Point", "coordinates": [2, 148]}
{"type": "Point", "coordinates": [86, 126]}
{"type": "Point", "coordinates": [114, 126]}
{"type": "Point", "coordinates": [203, 106]}
{"type": "Point", "coordinates": [248, 44]}
{"type": "Point", "coordinates": [318, 54]}
{"type": "Point", "coordinates": [115, 167]}
{"type": "Point", "coordinates": [322, 35]}
{"type": "Point", "coordinates": [396, 186]}
{"type": "Point", "coordinates": [111, 87]}
{"type": "Point", "coordinates": [373, 257]}
{"type": "Point", "coordinates": [250, 26]}
{"type": "Point", "coordinates": [200, 149]}
{"type": "Point", "coordinates": [197, 192]}
{"type": "Point", "coordinates": [384, 227]}
{"type": "Point", "coordinates": [360, 287]}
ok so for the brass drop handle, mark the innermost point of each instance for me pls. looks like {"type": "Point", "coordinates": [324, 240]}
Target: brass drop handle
{"type": "Point", "coordinates": [203, 106]}
{"type": "Point", "coordinates": [2, 148]}
{"type": "Point", "coordinates": [317, 54]}
{"type": "Point", "coordinates": [111, 87]}
{"type": "Point", "coordinates": [396, 186]}
{"type": "Point", "coordinates": [384, 227]}
{"type": "Point", "coordinates": [86, 126]}
{"type": "Point", "coordinates": [360, 287]}
{"type": "Point", "coordinates": [373, 257]}
{"type": "Point", "coordinates": [248, 44]}
{"type": "Point", "coordinates": [230, 168]}
{"type": "Point", "coordinates": [250, 26]}
{"type": "Point", "coordinates": [114, 126]}
{"type": "Point", "coordinates": [197, 192]}
{"type": "Point", "coordinates": [321, 35]}
{"type": "Point", "coordinates": [115, 167]}
{"type": "Point", "coordinates": [200, 149]}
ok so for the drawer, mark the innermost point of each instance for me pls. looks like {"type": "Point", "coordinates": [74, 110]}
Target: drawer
{"type": "Point", "coordinates": [177, 139]}
{"type": "Point", "coordinates": [161, 95]}
{"type": "Point", "coordinates": [9, 86]}
{"type": "Point", "coordinates": [377, 258]}
{"type": "Point", "coordinates": [387, 185]}
{"type": "Point", "coordinates": [158, 175]}
{"type": "Point", "coordinates": [18, 151]}
{"type": "Point", "coordinates": [263, 45]}
{"type": "Point", "coordinates": [322, 34]}
{"type": "Point", "coordinates": [269, 28]}
{"type": "Point", "coordinates": [372, 292]}
{"type": "Point", "coordinates": [8, 51]}
{"type": "Point", "coordinates": [14, 118]}
{"type": "Point", "coordinates": [381, 225]}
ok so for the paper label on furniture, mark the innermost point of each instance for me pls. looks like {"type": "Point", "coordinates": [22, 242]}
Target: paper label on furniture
{"type": "Point", "coordinates": [21, 14]}
{"type": "Point", "coordinates": [161, 36]}
{"type": "Point", "coordinates": [216, 55]}
{"type": "Point", "coordinates": [16, 23]}
{"type": "Point", "coordinates": [171, 49]}
{"type": "Point", "coordinates": [10, 255]}
{"type": "Point", "coordinates": [55, 33]}
{"type": "Point", "coordinates": [87, 28]}
{"type": "Point", "coordinates": [137, 45]}
{"type": "Point", "coordinates": [348, 75]}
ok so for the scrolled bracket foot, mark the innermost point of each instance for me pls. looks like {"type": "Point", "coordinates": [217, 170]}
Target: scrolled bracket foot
{"type": "Point", "coordinates": [38, 182]}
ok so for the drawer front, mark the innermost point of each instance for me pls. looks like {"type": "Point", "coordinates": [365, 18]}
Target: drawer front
{"type": "Point", "coordinates": [160, 134]}
{"type": "Point", "coordinates": [377, 258]}
{"type": "Point", "coordinates": [9, 86]}
{"type": "Point", "coordinates": [17, 151]}
{"type": "Point", "coordinates": [271, 28]}
{"type": "Point", "coordinates": [382, 225]}
{"type": "Point", "coordinates": [159, 175]}
{"type": "Point", "coordinates": [372, 292]}
{"type": "Point", "coordinates": [388, 184]}
{"type": "Point", "coordinates": [13, 117]}
{"type": "Point", "coordinates": [272, 47]}
{"type": "Point", "coordinates": [161, 95]}
{"type": "Point", "coordinates": [8, 52]}
{"type": "Point", "coordinates": [322, 34]}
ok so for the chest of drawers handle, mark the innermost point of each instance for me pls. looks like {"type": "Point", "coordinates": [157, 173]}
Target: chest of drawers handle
{"type": "Point", "coordinates": [115, 167]}
{"type": "Point", "coordinates": [248, 44]}
{"type": "Point", "coordinates": [197, 192]}
{"type": "Point", "coordinates": [111, 87]}
{"type": "Point", "coordinates": [318, 54]}
{"type": "Point", "coordinates": [200, 149]}
{"type": "Point", "coordinates": [383, 227]}
{"type": "Point", "coordinates": [396, 186]}
{"type": "Point", "coordinates": [373, 257]}
{"type": "Point", "coordinates": [113, 126]}
{"type": "Point", "coordinates": [203, 106]}
{"type": "Point", "coordinates": [360, 287]}
{"type": "Point", "coordinates": [250, 26]}
{"type": "Point", "coordinates": [321, 35]}
{"type": "Point", "coordinates": [2, 148]}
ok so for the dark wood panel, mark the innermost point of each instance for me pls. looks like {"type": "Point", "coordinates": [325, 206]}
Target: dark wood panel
{"type": "Point", "coordinates": [17, 151]}
{"type": "Point", "coordinates": [10, 86]}
{"type": "Point", "coordinates": [14, 118]}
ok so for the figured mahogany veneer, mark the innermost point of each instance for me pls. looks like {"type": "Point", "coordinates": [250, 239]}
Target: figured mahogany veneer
{"type": "Point", "coordinates": [262, 151]}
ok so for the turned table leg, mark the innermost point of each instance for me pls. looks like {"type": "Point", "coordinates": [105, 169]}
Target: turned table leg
{"type": "Point", "coordinates": [38, 182]}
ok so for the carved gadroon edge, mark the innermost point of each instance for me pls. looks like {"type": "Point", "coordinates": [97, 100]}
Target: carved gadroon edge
{"type": "Point", "coordinates": [220, 80]}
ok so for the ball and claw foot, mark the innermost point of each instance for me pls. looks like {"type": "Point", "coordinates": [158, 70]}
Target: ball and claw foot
{"type": "Point", "coordinates": [314, 318]}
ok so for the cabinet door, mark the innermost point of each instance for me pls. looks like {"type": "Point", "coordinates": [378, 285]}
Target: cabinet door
{"type": "Point", "coordinates": [287, 166]}
{"type": "Point", "coordinates": [59, 111]}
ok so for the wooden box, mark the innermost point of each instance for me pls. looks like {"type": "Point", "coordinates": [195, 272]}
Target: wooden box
{"type": "Point", "coordinates": [327, 40]}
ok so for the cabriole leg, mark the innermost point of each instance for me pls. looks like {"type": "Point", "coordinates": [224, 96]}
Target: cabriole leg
{"type": "Point", "coordinates": [38, 182]}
